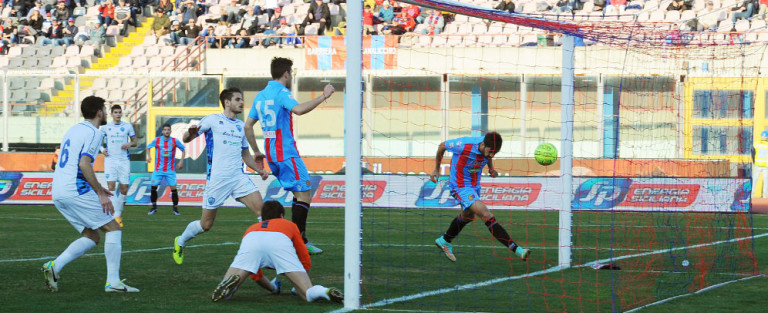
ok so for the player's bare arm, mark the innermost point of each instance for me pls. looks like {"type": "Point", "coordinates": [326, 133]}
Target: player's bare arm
{"type": "Point", "coordinates": [134, 142]}
{"type": "Point", "coordinates": [90, 177]}
{"type": "Point", "coordinates": [250, 162]}
{"type": "Point", "coordinates": [438, 159]}
{"type": "Point", "coordinates": [180, 165]}
{"type": "Point", "coordinates": [306, 107]}
{"type": "Point", "coordinates": [251, 137]}
{"type": "Point", "coordinates": [191, 134]}
{"type": "Point", "coordinates": [492, 170]}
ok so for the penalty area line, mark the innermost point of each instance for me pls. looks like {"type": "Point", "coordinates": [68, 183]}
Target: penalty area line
{"type": "Point", "coordinates": [542, 272]}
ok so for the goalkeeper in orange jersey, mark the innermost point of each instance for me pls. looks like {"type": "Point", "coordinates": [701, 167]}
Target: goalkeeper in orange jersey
{"type": "Point", "coordinates": [470, 155]}
{"type": "Point", "coordinates": [273, 243]}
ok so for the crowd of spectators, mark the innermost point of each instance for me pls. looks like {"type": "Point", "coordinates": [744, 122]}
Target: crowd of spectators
{"type": "Point", "coordinates": [249, 23]}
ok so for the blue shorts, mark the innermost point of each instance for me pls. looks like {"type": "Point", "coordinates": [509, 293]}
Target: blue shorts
{"type": "Point", "coordinates": [158, 177]}
{"type": "Point", "coordinates": [466, 196]}
{"type": "Point", "coordinates": [292, 174]}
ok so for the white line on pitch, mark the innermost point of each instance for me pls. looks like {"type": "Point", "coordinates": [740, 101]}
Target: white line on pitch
{"type": "Point", "coordinates": [537, 273]}
{"type": "Point", "coordinates": [149, 219]}
{"type": "Point", "coordinates": [124, 252]}
{"type": "Point", "coordinates": [478, 247]}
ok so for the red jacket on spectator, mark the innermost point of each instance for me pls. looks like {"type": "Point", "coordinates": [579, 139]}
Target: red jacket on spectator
{"type": "Point", "coordinates": [618, 2]}
{"type": "Point", "coordinates": [367, 17]}
{"type": "Point", "coordinates": [413, 11]}
{"type": "Point", "coordinates": [406, 22]}
{"type": "Point", "coordinates": [107, 11]}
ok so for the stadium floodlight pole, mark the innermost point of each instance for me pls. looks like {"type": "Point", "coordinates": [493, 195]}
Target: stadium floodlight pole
{"type": "Point", "coordinates": [566, 147]}
{"type": "Point", "coordinates": [353, 115]}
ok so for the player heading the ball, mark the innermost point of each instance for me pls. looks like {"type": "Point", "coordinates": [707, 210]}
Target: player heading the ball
{"type": "Point", "coordinates": [224, 134]}
{"type": "Point", "coordinates": [470, 155]}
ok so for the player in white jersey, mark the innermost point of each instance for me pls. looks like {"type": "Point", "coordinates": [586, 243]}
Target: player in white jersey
{"type": "Point", "coordinates": [117, 165]}
{"type": "Point", "coordinates": [227, 149]}
{"type": "Point", "coordinates": [78, 195]}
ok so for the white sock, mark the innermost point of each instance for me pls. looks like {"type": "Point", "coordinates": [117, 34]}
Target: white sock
{"type": "Point", "coordinates": [192, 230]}
{"type": "Point", "coordinates": [74, 251]}
{"type": "Point", "coordinates": [317, 292]}
{"type": "Point", "coordinates": [120, 205]}
{"type": "Point", "coordinates": [113, 248]}
{"type": "Point", "coordinates": [115, 199]}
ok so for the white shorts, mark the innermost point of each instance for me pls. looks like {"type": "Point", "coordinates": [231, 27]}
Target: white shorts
{"type": "Point", "coordinates": [217, 191]}
{"type": "Point", "coordinates": [266, 249]}
{"type": "Point", "coordinates": [119, 171]}
{"type": "Point", "coordinates": [83, 211]}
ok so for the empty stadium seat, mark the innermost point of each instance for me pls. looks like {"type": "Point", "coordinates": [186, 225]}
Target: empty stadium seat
{"type": "Point", "coordinates": [57, 51]}
{"type": "Point", "coordinates": [15, 82]}
{"type": "Point", "coordinates": [99, 83]}
{"type": "Point", "coordinates": [114, 83]}
{"type": "Point", "coordinates": [125, 62]}
{"type": "Point", "coordinates": [44, 63]}
{"type": "Point", "coordinates": [59, 62]}
{"type": "Point", "coordinates": [137, 51]}
{"type": "Point", "coordinates": [87, 51]}
{"type": "Point", "coordinates": [31, 83]}
{"type": "Point", "coordinates": [139, 62]}
{"type": "Point", "coordinates": [3, 62]}
{"type": "Point", "coordinates": [44, 50]}
{"type": "Point", "coordinates": [72, 50]}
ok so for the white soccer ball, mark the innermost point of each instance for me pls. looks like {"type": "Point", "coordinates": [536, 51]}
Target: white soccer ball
{"type": "Point", "coordinates": [686, 263]}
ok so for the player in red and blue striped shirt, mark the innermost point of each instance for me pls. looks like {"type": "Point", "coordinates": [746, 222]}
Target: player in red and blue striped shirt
{"type": "Point", "coordinates": [165, 166]}
{"type": "Point", "coordinates": [470, 155]}
{"type": "Point", "coordinates": [274, 107]}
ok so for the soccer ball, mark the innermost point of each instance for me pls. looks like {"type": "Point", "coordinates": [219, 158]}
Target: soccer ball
{"type": "Point", "coordinates": [546, 154]}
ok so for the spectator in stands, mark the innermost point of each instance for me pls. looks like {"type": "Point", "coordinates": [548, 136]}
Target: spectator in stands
{"type": "Point", "coordinates": [36, 21]}
{"type": "Point", "coordinates": [160, 25]}
{"type": "Point", "coordinates": [47, 22]}
{"type": "Point", "coordinates": [174, 32]}
{"type": "Point", "coordinates": [434, 23]}
{"type": "Point", "coordinates": [53, 35]}
{"type": "Point", "coordinates": [249, 19]}
{"type": "Point", "coordinates": [241, 40]}
{"type": "Point", "coordinates": [97, 35]}
{"type": "Point", "coordinates": [61, 13]}
{"type": "Point", "coordinates": [122, 16]}
{"type": "Point", "coordinates": [708, 18]}
{"type": "Point", "coordinates": [82, 36]}
{"type": "Point", "coordinates": [10, 34]}
{"type": "Point", "coordinates": [386, 14]}
{"type": "Point", "coordinates": [506, 5]}
{"type": "Point", "coordinates": [678, 5]}
{"type": "Point", "coordinates": [271, 28]}
{"type": "Point", "coordinates": [68, 33]}
{"type": "Point", "coordinates": [166, 6]}
{"type": "Point", "coordinates": [210, 36]}
{"type": "Point", "coordinates": [763, 9]}
{"type": "Point", "coordinates": [269, 6]}
{"type": "Point", "coordinates": [188, 11]}
{"type": "Point", "coordinates": [318, 12]}
{"type": "Point", "coordinates": [222, 33]}
{"type": "Point", "coordinates": [107, 13]}
{"type": "Point", "coordinates": [368, 21]}
{"type": "Point", "coordinates": [136, 9]}
{"type": "Point", "coordinates": [743, 11]}
{"type": "Point", "coordinates": [230, 13]}
{"type": "Point", "coordinates": [36, 6]}
{"type": "Point", "coordinates": [401, 24]}
{"type": "Point", "coordinates": [189, 32]}
{"type": "Point", "coordinates": [413, 11]}
{"type": "Point", "coordinates": [202, 7]}
{"type": "Point", "coordinates": [288, 32]}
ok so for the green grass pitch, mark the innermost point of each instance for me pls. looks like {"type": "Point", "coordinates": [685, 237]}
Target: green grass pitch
{"type": "Point", "coordinates": [399, 260]}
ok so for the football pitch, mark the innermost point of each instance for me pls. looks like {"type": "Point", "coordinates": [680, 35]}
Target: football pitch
{"type": "Point", "coordinates": [402, 269]}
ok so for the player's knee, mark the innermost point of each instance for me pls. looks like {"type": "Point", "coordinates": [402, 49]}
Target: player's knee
{"type": "Point", "coordinates": [206, 226]}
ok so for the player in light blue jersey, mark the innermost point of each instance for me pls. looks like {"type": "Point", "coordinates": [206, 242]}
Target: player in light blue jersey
{"type": "Point", "coordinates": [470, 155]}
{"type": "Point", "coordinates": [274, 108]}
{"type": "Point", "coordinates": [119, 136]}
{"type": "Point", "coordinates": [165, 166]}
{"type": "Point", "coordinates": [78, 195]}
{"type": "Point", "coordinates": [227, 150]}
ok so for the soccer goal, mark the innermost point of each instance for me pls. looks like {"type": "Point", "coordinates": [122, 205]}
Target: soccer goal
{"type": "Point", "coordinates": [648, 201]}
